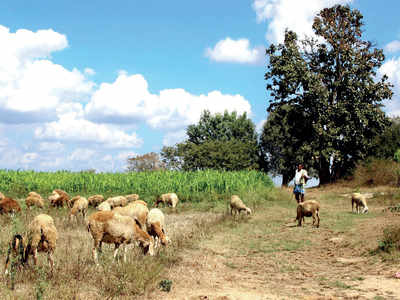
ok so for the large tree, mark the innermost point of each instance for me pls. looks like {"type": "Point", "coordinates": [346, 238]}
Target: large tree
{"type": "Point", "coordinates": [225, 141]}
{"type": "Point", "coordinates": [332, 81]}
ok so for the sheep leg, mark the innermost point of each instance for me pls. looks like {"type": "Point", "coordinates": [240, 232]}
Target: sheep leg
{"type": "Point", "coordinates": [124, 252]}
{"type": "Point", "coordinates": [317, 214]}
{"type": "Point", "coordinates": [352, 205]}
{"type": "Point", "coordinates": [50, 260]}
{"type": "Point", "coordinates": [116, 250]}
{"type": "Point", "coordinates": [35, 256]}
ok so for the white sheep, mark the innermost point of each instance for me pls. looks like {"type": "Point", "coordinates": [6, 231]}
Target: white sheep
{"type": "Point", "coordinates": [117, 201]}
{"type": "Point", "coordinates": [134, 210]}
{"type": "Point", "coordinates": [104, 206]}
{"type": "Point", "coordinates": [156, 226]}
{"type": "Point", "coordinates": [170, 199]}
{"type": "Point", "coordinates": [80, 206]}
{"type": "Point", "coordinates": [112, 228]}
{"type": "Point", "coordinates": [34, 199]}
{"type": "Point", "coordinates": [237, 205]}
{"type": "Point", "coordinates": [42, 237]}
{"type": "Point", "coordinates": [360, 201]}
{"type": "Point", "coordinates": [132, 197]}
{"type": "Point", "coordinates": [307, 209]}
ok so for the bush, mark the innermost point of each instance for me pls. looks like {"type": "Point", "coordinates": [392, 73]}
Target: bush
{"type": "Point", "coordinates": [390, 240]}
{"type": "Point", "coordinates": [377, 172]}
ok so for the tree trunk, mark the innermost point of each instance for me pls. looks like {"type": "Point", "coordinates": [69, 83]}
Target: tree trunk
{"type": "Point", "coordinates": [285, 180]}
{"type": "Point", "coordinates": [324, 174]}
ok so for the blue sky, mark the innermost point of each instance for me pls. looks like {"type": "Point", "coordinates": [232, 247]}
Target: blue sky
{"type": "Point", "coordinates": [86, 84]}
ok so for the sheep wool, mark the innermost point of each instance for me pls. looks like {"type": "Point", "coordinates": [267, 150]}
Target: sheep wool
{"type": "Point", "coordinates": [95, 200]}
{"type": "Point", "coordinates": [237, 205]}
{"type": "Point", "coordinates": [156, 225]}
{"type": "Point", "coordinates": [110, 227]}
{"type": "Point", "coordinates": [360, 201]}
{"type": "Point", "coordinates": [307, 209]}
{"type": "Point", "coordinates": [34, 199]}
{"type": "Point", "coordinates": [80, 206]}
{"type": "Point", "coordinates": [170, 199]}
{"type": "Point", "coordinates": [117, 201]}
{"type": "Point", "coordinates": [9, 205]}
{"type": "Point", "coordinates": [134, 210]}
{"type": "Point", "coordinates": [104, 206]}
{"type": "Point", "coordinates": [132, 197]}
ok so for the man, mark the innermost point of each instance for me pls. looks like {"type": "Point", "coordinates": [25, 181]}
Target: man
{"type": "Point", "coordinates": [300, 180]}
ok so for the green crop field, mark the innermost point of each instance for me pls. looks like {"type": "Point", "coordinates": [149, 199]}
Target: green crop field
{"type": "Point", "coordinates": [188, 185]}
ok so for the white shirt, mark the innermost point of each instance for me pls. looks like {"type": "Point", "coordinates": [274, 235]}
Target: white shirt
{"type": "Point", "coordinates": [300, 177]}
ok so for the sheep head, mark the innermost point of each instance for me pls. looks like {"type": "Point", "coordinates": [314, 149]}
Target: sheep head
{"type": "Point", "coordinates": [248, 210]}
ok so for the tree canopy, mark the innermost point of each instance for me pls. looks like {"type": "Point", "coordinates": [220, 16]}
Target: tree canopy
{"type": "Point", "coordinates": [225, 141]}
{"type": "Point", "coordinates": [330, 82]}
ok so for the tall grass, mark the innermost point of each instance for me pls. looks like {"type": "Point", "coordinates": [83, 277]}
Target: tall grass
{"type": "Point", "coordinates": [185, 184]}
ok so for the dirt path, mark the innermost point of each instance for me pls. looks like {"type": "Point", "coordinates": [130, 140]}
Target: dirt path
{"type": "Point", "coordinates": [265, 257]}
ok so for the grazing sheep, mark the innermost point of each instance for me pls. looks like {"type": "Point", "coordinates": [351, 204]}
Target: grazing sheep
{"type": "Point", "coordinates": [58, 198]}
{"type": "Point", "coordinates": [95, 200]}
{"type": "Point", "coordinates": [237, 205]}
{"type": "Point", "coordinates": [70, 202]}
{"type": "Point", "coordinates": [134, 210]}
{"type": "Point", "coordinates": [156, 226]}
{"type": "Point", "coordinates": [2, 196]}
{"type": "Point", "coordinates": [104, 206]}
{"type": "Point", "coordinates": [139, 202]}
{"type": "Point", "coordinates": [132, 197]}
{"type": "Point", "coordinates": [16, 250]}
{"type": "Point", "coordinates": [80, 206]}
{"type": "Point", "coordinates": [112, 228]}
{"type": "Point", "coordinates": [117, 201]}
{"type": "Point", "coordinates": [34, 199]}
{"type": "Point", "coordinates": [8, 205]}
{"type": "Point", "coordinates": [170, 199]}
{"type": "Point", "coordinates": [307, 209]}
{"type": "Point", "coordinates": [42, 237]}
{"type": "Point", "coordinates": [360, 201]}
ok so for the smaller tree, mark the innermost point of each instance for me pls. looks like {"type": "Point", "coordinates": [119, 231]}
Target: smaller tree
{"type": "Point", "coordinates": [146, 162]}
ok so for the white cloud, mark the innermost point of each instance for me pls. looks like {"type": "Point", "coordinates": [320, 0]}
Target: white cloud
{"type": "Point", "coordinates": [392, 69]}
{"type": "Point", "coordinates": [50, 147]}
{"type": "Point", "coordinates": [393, 46]}
{"type": "Point", "coordinates": [68, 129]}
{"type": "Point", "coordinates": [171, 109]}
{"type": "Point", "coordinates": [123, 156]}
{"type": "Point", "coordinates": [237, 51]}
{"type": "Point", "coordinates": [28, 158]}
{"type": "Point", "coordinates": [32, 86]}
{"type": "Point", "coordinates": [81, 154]}
{"type": "Point", "coordinates": [260, 126]}
{"type": "Point", "coordinates": [292, 14]}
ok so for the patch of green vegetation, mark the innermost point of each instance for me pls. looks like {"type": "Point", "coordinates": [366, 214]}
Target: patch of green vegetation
{"type": "Point", "coordinates": [341, 285]}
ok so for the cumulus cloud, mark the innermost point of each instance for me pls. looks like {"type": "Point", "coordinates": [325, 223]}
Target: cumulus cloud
{"type": "Point", "coordinates": [81, 154]}
{"type": "Point", "coordinates": [237, 51]}
{"type": "Point", "coordinates": [172, 138]}
{"type": "Point", "coordinates": [32, 86]}
{"type": "Point", "coordinates": [392, 69]}
{"type": "Point", "coordinates": [73, 130]}
{"type": "Point", "coordinates": [294, 15]}
{"type": "Point", "coordinates": [171, 109]}
{"type": "Point", "coordinates": [50, 147]}
{"type": "Point", "coordinates": [28, 158]}
{"type": "Point", "coordinates": [393, 46]}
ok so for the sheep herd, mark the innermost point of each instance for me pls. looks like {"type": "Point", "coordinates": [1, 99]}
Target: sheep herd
{"type": "Point", "coordinates": [120, 220]}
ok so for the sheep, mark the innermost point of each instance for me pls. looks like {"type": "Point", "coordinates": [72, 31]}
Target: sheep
{"type": "Point", "coordinates": [171, 199]}
{"type": "Point", "coordinates": [104, 206]}
{"type": "Point", "coordinates": [34, 199]}
{"type": "Point", "coordinates": [16, 250]}
{"type": "Point", "coordinates": [156, 226]}
{"type": "Point", "coordinates": [117, 201]}
{"type": "Point", "coordinates": [307, 209]}
{"type": "Point", "coordinates": [42, 237]}
{"type": "Point", "coordinates": [95, 200]}
{"type": "Point", "coordinates": [139, 202]}
{"type": "Point", "coordinates": [132, 197]}
{"type": "Point", "coordinates": [58, 198]}
{"type": "Point", "coordinates": [80, 206]}
{"type": "Point", "coordinates": [360, 201]}
{"type": "Point", "coordinates": [9, 205]}
{"type": "Point", "coordinates": [2, 196]}
{"type": "Point", "coordinates": [134, 210]}
{"type": "Point", "coordinates": [111, 227]}
{"type": "Point", "coordinates": [70, 202]}
{"type": "Point", "coordinates": [237, 205]}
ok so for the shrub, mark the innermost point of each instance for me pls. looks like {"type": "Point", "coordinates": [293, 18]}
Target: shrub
{"type": "Point", "coordinates": [377, 172]}
{"type": "Point", "coordinates": [390, 240]}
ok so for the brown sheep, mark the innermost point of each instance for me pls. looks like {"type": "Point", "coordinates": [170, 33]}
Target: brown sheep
{"type": "Point", "coordinates": [8, 205]}
{"type": "Point", "coordinates": [16, 251]}
{"type": "Point", "coordinates": [34, 199]}
{"type": "Point", "coordinates": [80, 206]}
{"type": "Point", "coordinates": [134, 210]}
{"type": "Point", "coordinates": [117, 201]}
{"type": "Point", "coordinates": [58, 198]}
{"type": "Point", "coordinates": [112, 228]}
{"type": "Point", "coordinates": [170, 199]}
{"type": "Point", "coordinates": [307, 209]}
{"type": "Point", "coordinates": [95, 200]}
